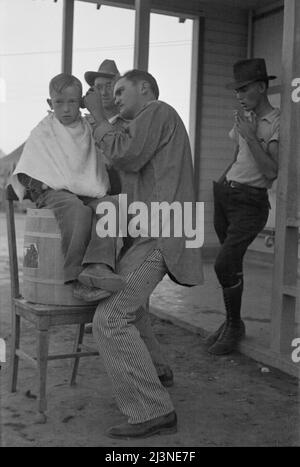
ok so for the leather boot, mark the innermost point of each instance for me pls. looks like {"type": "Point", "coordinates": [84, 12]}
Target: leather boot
{"type": "Point", "coordinates": [234, 329]}
{"type": "Point", "coordinates": [212, 337]}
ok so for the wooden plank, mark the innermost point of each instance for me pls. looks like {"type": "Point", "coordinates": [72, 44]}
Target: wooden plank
{"type": "Point", "coordinates": [218, 113]}
{"type": "Point", "coordinates": [214, 165]}
{"type": "Point", "coordinates": [225, 26]}
{"type": "Point", "coordinates": [216, 69]}
{"type": "Point", "coordinates": [228, 50]}
{"type": "Point", "coordinates": [217, 91]}
{"type": "Point", "coordinates": [21, 354]}
{"type": "Point", "coordinates": [270, 10]}
{"type": "Point", "coordinates": [220, 126]}
{"type": "Point", "coordinates": [72, 355]}
{"type": "Point", "coordinates": [196, 96]}
{"type": "Point", "coordinates": [215, 101]}
{"type": "Point", "coordinates": [286, 243]}
{"type": "Point", "coordinates": [215, 58]}
{"type": "Point", "coordinates": [12, 248]}
{"type": "Point", "coordinates": [67, 36]}
{"type": "Point", "coordinates": [290, 290]}
{"type": "Point", "coordinates": [188, 8]}
{"type": "Point", "coordinates": [229, 15]}
{"type": "Point", "coordinates": [293, 222]}
{"type": "Point", "coordinates": [141, 39]}
{"type": "Point", "coordinates": [229, 38]}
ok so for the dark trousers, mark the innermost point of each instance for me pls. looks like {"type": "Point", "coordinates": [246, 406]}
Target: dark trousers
{"type": "Point", "coordinates": [240, 213]}
{"type": "Point", "coordinates": [76, 216]}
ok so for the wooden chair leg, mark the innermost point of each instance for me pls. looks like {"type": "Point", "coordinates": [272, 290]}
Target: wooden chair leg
{"type": "Point", "coordinates": [15, 345]}
{"type": "Point", "coordinates": [42, 361]}
{"type": "Point", "coordinates": [77, 348]}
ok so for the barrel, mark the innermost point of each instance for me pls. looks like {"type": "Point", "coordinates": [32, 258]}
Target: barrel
{"type": "Point", "coordinates": [43, 279]}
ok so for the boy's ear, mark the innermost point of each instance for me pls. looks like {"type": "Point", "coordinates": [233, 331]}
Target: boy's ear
{"type": "Point", "coordinates": [50, 103]}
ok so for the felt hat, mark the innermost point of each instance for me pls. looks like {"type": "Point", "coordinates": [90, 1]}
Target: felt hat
{"type": "Point", "coordinates": [107, 69]}
{"type": "Point", "coordinates": [248, 71]}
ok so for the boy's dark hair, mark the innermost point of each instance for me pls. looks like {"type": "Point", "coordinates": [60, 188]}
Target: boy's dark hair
{"type": "Point", "coordinates": [62, 81]}
{"type": "Point", "coordinates": [136, 76]}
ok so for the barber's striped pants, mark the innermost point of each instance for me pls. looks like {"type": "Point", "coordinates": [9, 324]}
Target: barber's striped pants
{"type": "Point", "coordinates": [138, 391]}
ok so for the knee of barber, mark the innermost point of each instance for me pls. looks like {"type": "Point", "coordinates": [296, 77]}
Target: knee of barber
{"type": "Point", "coordinates": [104, 323]}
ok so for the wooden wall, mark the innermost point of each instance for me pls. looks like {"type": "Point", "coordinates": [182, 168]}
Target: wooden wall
{"type": "Point", "coordinates": [225, 42]}
{"type": "Point", "coordinates": [267, 43]}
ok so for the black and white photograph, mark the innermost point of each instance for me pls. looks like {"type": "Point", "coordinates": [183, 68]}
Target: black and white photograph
{"type": "Point", "coordinates": [149, 226]}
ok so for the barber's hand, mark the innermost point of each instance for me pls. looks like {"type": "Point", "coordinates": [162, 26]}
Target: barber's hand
{"type": "Point", "coordinates": [93, 103]}
{"type": "Point", "coordinates": [245, 126]}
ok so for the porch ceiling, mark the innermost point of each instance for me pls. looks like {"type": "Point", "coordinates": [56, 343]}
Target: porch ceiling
{"type": "Point", "coordinates": [192, 6]}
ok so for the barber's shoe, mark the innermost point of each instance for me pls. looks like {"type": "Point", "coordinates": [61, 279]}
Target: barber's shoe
{"type": "Point", "coordinates": [212, 338]}
{"type": "Point", "coordinates": [229, 339]}
{"type": "Point", "coordinates": [101, 276]}
{"type": "Point", "coordinates": [167, 378]}
{"type": "Point", "coordinates": [166, 424]}
{"type": "Point", "coordinates": [89, 294]}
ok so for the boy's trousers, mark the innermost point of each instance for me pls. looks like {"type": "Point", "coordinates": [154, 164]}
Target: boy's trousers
{"type": "Point", "coordinates": [76, 216]}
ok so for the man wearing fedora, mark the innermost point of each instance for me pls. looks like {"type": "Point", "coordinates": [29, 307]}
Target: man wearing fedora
{"type": "Point", "coordinates": [103, 80]}
{"type": "Point", "coordinates": [241, 205]}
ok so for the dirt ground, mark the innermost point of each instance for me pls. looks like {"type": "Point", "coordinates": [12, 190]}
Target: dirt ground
{"type": "Point", "coordinates": [225, 401]}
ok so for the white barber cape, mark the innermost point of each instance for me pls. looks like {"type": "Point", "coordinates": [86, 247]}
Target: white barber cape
{"type": "Point", "coordinates": [63, 157]}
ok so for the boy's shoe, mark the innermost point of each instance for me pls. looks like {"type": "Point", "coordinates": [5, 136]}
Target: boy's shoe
{"type": "Point", "coordinates": [166, 424]}
{"type": "Point", "coordinates": [89, 294]}
{"type": "Point", "coordinates": [102, 277]}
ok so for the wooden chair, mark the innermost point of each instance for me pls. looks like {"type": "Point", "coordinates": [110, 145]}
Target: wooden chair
{"type": "Point", "coordinates": [43, 317]}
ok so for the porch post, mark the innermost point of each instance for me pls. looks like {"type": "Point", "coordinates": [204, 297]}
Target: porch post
{"type": "Point", "coordinates": [285, 294]}
{"type": "Point", "coordinates": [196, 95]}
{"type": "Point", "coordinates": [67, 36]}
{"type": "Point", "coordinates": [142, 30]}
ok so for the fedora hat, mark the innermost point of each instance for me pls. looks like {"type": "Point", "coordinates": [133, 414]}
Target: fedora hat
{"type": "Point", "coordinates": [249, 71]}
{"type": "Point", "coordinates": [107, 69]}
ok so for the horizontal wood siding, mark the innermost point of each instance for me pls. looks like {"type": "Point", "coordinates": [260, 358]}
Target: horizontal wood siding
{"type": "Point", "coordinates": [225, 42]}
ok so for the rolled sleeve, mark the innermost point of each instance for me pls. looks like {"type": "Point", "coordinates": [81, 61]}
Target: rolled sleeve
{"type": "Point", "coordinates": [132, 146]}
